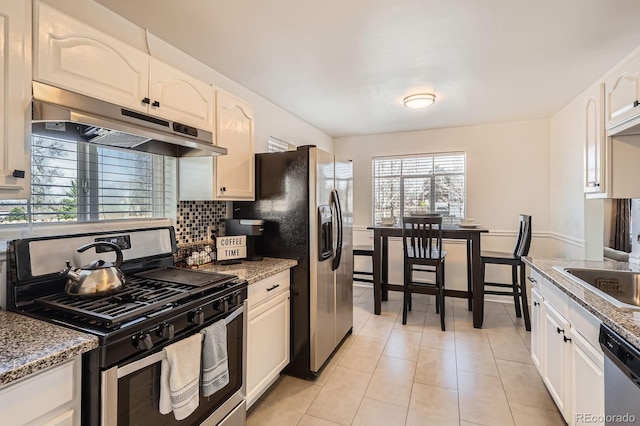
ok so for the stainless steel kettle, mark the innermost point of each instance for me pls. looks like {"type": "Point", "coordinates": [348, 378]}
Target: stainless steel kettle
{"type": "Point", "coordinates": [99, 278]}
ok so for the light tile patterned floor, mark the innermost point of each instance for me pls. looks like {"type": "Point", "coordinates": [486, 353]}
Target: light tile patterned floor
{"type": "Point", "coordinates": [391, 374]}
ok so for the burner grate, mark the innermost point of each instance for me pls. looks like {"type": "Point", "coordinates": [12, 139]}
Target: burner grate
{"type": "Point", "coordinates": [139, 296]}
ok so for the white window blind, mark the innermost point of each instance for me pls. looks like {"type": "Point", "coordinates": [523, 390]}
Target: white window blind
{"type": "Point", "coordinates": [419, 184]}
{"type": "Point", "coordinates": [277, 145]}
{"type": "Point", "coordinates": [79, 182]}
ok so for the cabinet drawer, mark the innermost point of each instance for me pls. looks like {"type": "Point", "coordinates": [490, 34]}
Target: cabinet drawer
{"type": "Point", "coordinates": [555, 297]}
{"type": "Point", "coordinates": [585, 323]}
{"type": "Point", "coordinates": [534, 278]}
{"type": "Point", "coordinates": [35, 396]}
{"type": "Point", "coordinates": [269, 287]}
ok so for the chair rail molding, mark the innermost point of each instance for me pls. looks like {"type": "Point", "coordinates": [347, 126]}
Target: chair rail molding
{"type": "Point", "coordinates": [567, 239]}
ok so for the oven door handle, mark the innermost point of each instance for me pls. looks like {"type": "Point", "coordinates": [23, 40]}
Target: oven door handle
{"type": "Point", "coordinates": [160, 355]}
{"type": "Point", "coordinates": [234, 315]}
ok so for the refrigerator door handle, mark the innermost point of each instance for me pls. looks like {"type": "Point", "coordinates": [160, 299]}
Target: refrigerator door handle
{"type": "Point", "coordinates": [335, 200]}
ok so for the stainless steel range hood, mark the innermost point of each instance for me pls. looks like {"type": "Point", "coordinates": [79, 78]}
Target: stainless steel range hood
{"type": "Point", "coordinates": [62, 114]}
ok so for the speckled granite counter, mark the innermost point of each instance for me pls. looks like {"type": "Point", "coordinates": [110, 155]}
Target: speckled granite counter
{"type": "Point", "coordinates": [253, 271]}
{"type": "Point", "coordinates": [627, 324]}
{"type": "Point", "coordinates": [28, 345]}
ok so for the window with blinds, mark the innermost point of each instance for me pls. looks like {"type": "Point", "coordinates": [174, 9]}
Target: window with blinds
{"type": "Point", "coordinates": [277, 145]}
{"type": "Point", "coordinates": [79, 182]}
{"type": "Point", "coordinates": [419, 184]}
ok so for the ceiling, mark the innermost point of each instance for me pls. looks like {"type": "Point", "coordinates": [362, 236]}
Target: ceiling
{"type": "Point", "coordinates": [345, 66]}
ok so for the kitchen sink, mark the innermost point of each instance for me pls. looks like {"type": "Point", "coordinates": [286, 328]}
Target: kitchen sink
{"type": "Point", "coordinates": [621, 288]}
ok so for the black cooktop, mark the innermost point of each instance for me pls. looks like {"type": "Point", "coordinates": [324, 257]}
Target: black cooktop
{"type": "Point", "coordinates": [144, 293]}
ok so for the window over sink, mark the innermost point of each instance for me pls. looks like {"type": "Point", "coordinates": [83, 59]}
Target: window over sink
{"type": "Point", "coordinates": [75, 182]}
{"type": "Point", "coordinates": [419, 184]}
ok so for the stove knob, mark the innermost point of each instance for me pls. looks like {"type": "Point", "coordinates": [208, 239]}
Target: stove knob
{"type": "Point", "coordinates": [143, 341]}
{"type": "Point", "coordinates": [196, 317]}
{"type": "Point", "coordinates": [167, 331]}
{"type": "Point", "coordinates": [237, 299]}
{"type": "Point", "coordinates": [224, 305]}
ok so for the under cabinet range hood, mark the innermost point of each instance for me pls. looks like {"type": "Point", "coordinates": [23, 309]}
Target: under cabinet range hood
{"type": "Point", "coordinates": [62, 114]}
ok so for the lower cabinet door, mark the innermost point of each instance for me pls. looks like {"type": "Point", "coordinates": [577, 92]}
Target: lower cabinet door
{"type": "Point", "coordinates": [537, 338]}
{"type": "Point", "coordinates": [267, 344]}
{"type": "Point", "coordinates": [557, 357]}
{"type": "Point", "coordinates": [587, 382]}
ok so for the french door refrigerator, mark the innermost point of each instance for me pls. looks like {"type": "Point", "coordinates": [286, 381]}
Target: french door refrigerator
{"type": "Point", "coordinates": [305, 198]}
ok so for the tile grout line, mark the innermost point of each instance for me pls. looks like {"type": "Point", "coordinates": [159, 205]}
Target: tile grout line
{"type": "Point", "coordinates": [455, 347]}
{"type": "Point", "coordinates": [413, 381]}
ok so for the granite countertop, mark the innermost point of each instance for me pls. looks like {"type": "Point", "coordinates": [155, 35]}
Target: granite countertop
{"type": "Point", "coordinates": [28, 345]}
{"type": "Point", "coordinates": [252, 271]}
{"type": "Point", "coordinates": [625, 323]}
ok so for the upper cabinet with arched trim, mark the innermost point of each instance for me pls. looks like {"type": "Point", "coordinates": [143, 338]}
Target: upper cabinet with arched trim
{"type": "Point", "coordinates": [622, 97]}
{"type": "Point", "coordinates": [73, 55]}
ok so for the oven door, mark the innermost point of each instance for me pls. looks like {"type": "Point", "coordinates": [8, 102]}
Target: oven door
{"type": "Point", "coordinates": [130, 393]}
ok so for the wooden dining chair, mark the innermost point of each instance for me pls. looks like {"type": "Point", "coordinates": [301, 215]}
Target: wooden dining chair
{"type": "Point", "coordinates": [422, 246]}
{"type": "Point", "coordinates": [517, 288]}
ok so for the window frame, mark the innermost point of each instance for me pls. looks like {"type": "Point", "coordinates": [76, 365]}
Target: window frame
{"type": "Point", "coordinates": [432, 177]}
{"type": "Point", "coordinates": [162, 189]}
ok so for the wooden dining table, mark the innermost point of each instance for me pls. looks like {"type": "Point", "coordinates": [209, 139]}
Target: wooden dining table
{"type": "Point", "coordinates": [475, 288]}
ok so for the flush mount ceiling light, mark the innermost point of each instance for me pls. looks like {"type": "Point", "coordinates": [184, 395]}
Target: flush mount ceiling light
{"type": "Point", "coordinates": [419, 100]}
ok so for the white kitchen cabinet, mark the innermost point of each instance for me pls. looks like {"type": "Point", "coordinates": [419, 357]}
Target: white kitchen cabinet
{"type": "Point", "coordinates": [566, 352]}
{"type": "Point", "coordinates": [623, 95]}
{"type": "Point", "coordinates": [73, 55]}
{"type": "Point", "coordinates": [177, 96]}
{"type": "Point", "coordinates": [596, 155]}
{"type": "Point", "coordinates": [15, 99]}
{"type": "Point", "coordinates": [234, 172]}
{"type": "Point", "coordinates": [51, 397]}
{"type": "Point", "coordinates": [556, 357]}
{"type": "Point", "coordinates": [229, 177]}
{"type": "Point", "coordinates": [268, 340]}
{"type": "Point", "coordinates": [537, 339]}
{"type": "Point", "coordinates": [586, 380]}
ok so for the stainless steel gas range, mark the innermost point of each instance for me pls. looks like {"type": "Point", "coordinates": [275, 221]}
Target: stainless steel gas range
{"type": "Point", "coordinates": [159, 305]}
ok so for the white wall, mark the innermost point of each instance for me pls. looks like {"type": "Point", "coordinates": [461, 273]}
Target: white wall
{"type": "Point", "coordinates": [507, 174]}
{"type": "Point", "coordinates": [566, 169]}
{"type": "Point", "coordinates": [270, 119]}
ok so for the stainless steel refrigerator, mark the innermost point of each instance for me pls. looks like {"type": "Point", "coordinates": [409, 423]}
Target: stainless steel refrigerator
{"type": "Point", "coordinates": [305, 198]}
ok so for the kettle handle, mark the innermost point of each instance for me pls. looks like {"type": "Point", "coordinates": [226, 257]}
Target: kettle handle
{"type": "Point", "coordinates": [106, 244]}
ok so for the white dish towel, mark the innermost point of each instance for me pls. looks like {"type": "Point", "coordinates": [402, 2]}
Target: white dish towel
{"type": "Point", "coordinates": [215, 365]}
{"type": "Point", "coordinates": [179, 377]}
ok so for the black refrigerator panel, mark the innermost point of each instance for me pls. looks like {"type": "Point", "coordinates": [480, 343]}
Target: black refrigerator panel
{"type": "Point", "coordinates": [282, 201]}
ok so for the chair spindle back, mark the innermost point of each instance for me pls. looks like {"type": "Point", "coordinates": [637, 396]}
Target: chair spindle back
{"type": "Point", "coordinates": [523, 242]}
{"type": "Point", "coordinates": [422, 236]}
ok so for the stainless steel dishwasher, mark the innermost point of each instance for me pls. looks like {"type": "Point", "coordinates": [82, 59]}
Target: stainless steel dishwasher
{"type": "Point", "coordinates": [621, 378]}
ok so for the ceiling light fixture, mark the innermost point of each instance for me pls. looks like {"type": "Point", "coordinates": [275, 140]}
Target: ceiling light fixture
{"type": "Point", "coordinates": [419, 100]}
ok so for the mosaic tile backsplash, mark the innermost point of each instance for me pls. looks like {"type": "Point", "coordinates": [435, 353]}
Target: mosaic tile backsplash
{"type": "Point", "coordinates": [196, 217]}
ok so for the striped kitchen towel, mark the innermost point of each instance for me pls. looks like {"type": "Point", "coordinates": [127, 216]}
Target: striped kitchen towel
{"type": "Point", "coordinates": [179, 377]}
{"type": "Point", "coordinates": [215, 365]}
